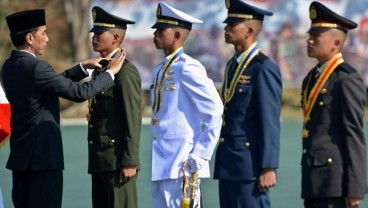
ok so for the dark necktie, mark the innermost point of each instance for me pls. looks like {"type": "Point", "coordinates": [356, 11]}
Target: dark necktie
{"type": "Point", "coordinates": [232, 70]}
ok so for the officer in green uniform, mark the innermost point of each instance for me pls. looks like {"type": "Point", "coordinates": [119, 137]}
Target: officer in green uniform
{"type": "Point", "coordinates": [114, 121]}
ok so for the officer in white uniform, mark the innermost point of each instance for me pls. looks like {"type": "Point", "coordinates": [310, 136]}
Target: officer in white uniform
{"type": "Point", "coordinates": [186, 116]}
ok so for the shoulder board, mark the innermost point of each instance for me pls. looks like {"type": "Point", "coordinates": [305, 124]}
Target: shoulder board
{"type": "Point", "coordinates": [261, 57]}
{"type": "Point", "coordinates": [183, 57]}
{"type": "Point", "coordinates": [347, 68]}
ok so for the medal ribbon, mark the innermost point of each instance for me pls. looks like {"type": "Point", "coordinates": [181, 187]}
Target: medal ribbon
{"type": "Point", "coordinates": [158, 84]}
{"type": "Point", "coordinates": [92, 100]}
{"type": "Point", "coordinates": [310, 99]}
{"type": "Point", "coordinates": [227, 93]}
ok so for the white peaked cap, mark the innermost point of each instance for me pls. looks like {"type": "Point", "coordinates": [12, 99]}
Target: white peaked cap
{"type": "Point", "coordinates": [168, 16]}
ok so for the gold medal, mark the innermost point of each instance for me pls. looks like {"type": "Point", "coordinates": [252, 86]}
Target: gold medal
{"type": "Point", "coordinates": [172, 87]}
{"type": "Point", "coordinates": [155, 121]}
{"type": "Point", "coordinates": [305, 133]}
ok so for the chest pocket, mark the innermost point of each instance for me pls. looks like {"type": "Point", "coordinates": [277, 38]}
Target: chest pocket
{"type": "Point", "coordinates": [242, 96]}
{"type": "Point", "coordinates": [324, 103]}
{"type": "Point", "coordinates": [105, 99]}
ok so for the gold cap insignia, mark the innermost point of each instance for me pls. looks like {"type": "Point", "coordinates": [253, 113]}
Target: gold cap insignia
{"type": "Point", "coordinates": [158, 11]}
{"type": "Point", "coordinates": [94, 15]}
{"type": "Point", "coordinates": [312, 13]}
{"type": "Point", "coordinates": [227, 3]}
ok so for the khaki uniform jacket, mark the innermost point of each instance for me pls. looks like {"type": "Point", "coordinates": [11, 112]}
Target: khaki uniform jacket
{"type": "Point", "coordinates": [115, 124]}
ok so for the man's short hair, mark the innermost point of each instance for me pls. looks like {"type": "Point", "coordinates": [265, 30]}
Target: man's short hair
{"type": "Point", "coordinates": [19, 38]}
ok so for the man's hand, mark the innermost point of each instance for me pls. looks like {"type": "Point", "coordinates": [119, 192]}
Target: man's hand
{"type": "Point", "coordinates": [352, 202]}
{"type": "Point", "coordinates": [117, 62]}
{"type": "Point", "coordinates": [127, 173]}
{"type": "Point", "coordinates": [195, 163]}
{"type": "Point", "coordinates": [267, 179]}
{"type": "Point", "coordinates": [92, 63]}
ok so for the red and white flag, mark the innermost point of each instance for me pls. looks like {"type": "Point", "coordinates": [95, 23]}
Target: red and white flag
{"type": "Point", "coordinates": [4, 118]}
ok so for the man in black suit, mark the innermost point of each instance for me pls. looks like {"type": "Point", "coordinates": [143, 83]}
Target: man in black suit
{"type": "Point", "coordinates": [333, 96]}
{"type": "Point", "coordinates": [33, 89]}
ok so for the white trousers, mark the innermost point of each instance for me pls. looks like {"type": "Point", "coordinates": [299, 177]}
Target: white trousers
{"type": "Point", "coordinates": [169, 193]}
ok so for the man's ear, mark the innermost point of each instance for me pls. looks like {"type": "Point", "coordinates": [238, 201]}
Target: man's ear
{"type": "Point", "coordinates": [337, 42]}
{"type": "Point", "coordinates": [177, 35]}
{"type": "Point", "coordinates": [29, 38]}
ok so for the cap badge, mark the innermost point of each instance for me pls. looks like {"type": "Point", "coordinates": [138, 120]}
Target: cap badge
{"type": "Point", "coordinates": [94, 15]}
{"type": "Point", "coordinates": [312, 13]}
{"type": "Point", "coordinates": [227, 3]}
{"type": "Point", "coordinates": [158, 11]}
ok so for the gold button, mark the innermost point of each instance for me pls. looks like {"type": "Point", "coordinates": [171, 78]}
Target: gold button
{"type": "Point", "coordinates": [112, 141]}
{"type": "Point", "coordinates": [90, 142]}
{"type": "Point", "coordinates": [304, 151]}
{"type": "Point", "coordinates": [329, 160]}
{"type": "Point", "coordinates": [321, 103]}
{"type": "Point", "coordinates": [240, 90]}
{"type": "Point", "coordinates": [155, 137]}
{"type": "Point", "coordinates": [103, 92]}
{"type": "Point", "coordinates": [221, 140]}
{"type": "Point", "coordinates": [91, 110]}
{"type": "Point", "coordinates": [247, 144]}
{"type": "Point", "coordinates": [90, 126]}
{"type": "Point", "coordinates": [324, 91]}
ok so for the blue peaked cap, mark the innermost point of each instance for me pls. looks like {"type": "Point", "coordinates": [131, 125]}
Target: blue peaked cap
{"type": "Point", "coordinates": [239, 11]}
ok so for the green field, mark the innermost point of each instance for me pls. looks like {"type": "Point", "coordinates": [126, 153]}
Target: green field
{"type": "Point", "coordinates": [77, 183]}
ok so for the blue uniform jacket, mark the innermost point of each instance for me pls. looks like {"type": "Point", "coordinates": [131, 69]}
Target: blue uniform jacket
{"type": "Point", "coordinates": [250, 136]}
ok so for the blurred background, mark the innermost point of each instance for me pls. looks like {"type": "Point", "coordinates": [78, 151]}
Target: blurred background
{"type": "Point", "coordinates": [283, 39]}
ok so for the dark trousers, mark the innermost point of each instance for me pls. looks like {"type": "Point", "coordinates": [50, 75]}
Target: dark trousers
{"type": "Point", "coordinates": [37, 189]}
{"type": "Point", "coordinates": [242, 194]}
{"type": "Point", "coordinates": [333, 202]}
{"type": "Point", "coordinates": [108, 192]}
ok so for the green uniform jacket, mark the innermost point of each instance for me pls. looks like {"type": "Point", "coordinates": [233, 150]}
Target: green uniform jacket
{"type": "Point", "coordinates": [115, 123]}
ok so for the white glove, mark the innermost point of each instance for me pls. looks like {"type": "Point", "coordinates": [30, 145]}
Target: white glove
{"type": "Point", "coordinates": [195, 163]}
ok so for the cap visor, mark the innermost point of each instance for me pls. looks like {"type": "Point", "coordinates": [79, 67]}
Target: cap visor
{"type": "Point", "coordinates": [233, 20]}
{"type": "Point", "coordinates": [98, 29]}
{"type": "Point", "coordinates": [318, 30]}
{"type": "Point", "coordinates": [158, 25]}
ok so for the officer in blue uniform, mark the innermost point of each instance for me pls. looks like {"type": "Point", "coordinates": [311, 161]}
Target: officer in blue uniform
{"type": "Point", "coordinates": [248, 153]}
{"type": "Point", "coordinates": [333, 96]}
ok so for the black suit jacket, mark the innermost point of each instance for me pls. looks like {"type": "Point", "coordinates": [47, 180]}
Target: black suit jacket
{"type": "Point", "coordinates": [33, 89]}
{"type": "Point", "coordinates": [334, 153]}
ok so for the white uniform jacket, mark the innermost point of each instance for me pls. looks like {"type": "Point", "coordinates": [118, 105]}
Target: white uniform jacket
{"type": "Point", "coordinates": [189, 118]}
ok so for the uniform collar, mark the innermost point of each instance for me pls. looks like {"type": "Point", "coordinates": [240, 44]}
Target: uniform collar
{"type": "Point", "coordinates": [29, 53]}
{"type": "Point", "coordinates": [112, 53]}
{"type": "Point", "coordinates": [321, 67]}
{"type": "Point", "coordinates": [239, 58]}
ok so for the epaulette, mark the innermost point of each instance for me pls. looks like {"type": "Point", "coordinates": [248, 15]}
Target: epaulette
{"type": "Point", "coordinates": [347, 68]}
{"type": "Point", "coordinates": [261, 57]}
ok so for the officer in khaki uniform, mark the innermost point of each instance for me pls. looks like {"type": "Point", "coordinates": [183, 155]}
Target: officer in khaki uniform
{"type": "Point", "coordinates": [333, 96]}
{"type": "Point", "coordinates": [114, 121]}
